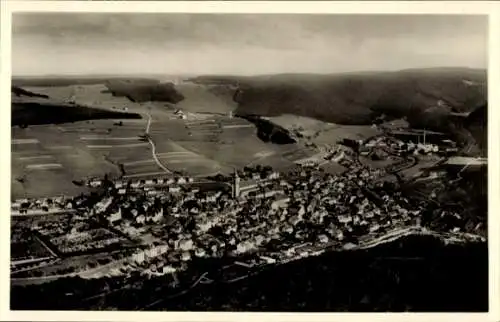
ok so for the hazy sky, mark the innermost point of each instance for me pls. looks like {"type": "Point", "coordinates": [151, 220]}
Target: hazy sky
{"type": "Point", "coordinates": [91, 43]}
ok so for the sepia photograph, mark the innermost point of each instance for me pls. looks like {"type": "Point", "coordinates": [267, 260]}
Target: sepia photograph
{"type": "Point", "coordinates": [249, 162]}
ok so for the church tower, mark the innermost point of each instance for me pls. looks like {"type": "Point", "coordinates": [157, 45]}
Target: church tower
{"type": "Point", "coordinates": [236, 185]}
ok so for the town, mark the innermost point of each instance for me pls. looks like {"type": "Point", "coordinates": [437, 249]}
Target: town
{"type": "Point", "coordinates": [157, 226]}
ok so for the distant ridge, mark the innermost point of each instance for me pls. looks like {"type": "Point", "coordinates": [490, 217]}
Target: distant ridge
{"type": "Point", "coordinates": [29, 108]}
{"type": "Point", "coordinates": [18, 91]}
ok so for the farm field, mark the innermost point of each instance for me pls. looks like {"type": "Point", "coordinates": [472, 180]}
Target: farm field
{"type": "Point", "coordinates": [355, 132]}
{"type": "Point", "coordinates": [206, 143]}
{"type": "Point", "coordinates": [323, 132]}
{"type": "Point", "coordinates": [178, 157]}
{"type": "Point", "coordinates": [48, 158]}
{"type": "Point", "coordinates": [58, 154]}
{"type": "Point", "coordinates": [199, 98]}
{"type": "Point", "coordinates": [91, 95]}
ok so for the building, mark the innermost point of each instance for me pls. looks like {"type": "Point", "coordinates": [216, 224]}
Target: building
{"type": "Point", "coordinates": [151, 252]}
{"type": "Point", "coordinates": [236, 185]}
{"type": "Point", "coordinates": [95, 183]}
{"type": "Point", "coordinates": [140, 219]}
{"type": "Point", "coordinates": [274, 175]}
{"type": "Point", "coordinates": [158, 216]}
{"type": "Point", "coordinates": [139, 257]}
{"type": "Point", "coordinates": [103, 205]}
{"type": "Point", "coordinates": [174, 189]}
{"type": "Point", "coordinates": [344, 219]}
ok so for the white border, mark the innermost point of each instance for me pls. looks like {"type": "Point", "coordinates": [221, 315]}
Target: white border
{"type": "Point", "coordinates": [492, 8]}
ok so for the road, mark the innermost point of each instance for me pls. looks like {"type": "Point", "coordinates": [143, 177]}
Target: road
{"type": "Point", "coordinates": [153, 147]}
{"type": "Point", "coordinates": [40, 212]}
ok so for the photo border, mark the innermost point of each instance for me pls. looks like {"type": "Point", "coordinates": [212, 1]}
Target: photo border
{"type": "Point", "coordinates": [490, 8]}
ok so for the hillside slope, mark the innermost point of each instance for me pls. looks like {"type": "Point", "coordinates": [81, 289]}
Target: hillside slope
{"type": "Point", "coordinates": [355, 98]}
{"type": "Point", "coordinates": [18, 91]}
{"type": "Point", "coordinates": [211, 98]}
{"type": "Point", "coordinates": [477, 124]}
{"type": "Point", "coordinates": [139, 92]}
{"type": "Point", "coordinates": [35, 109]}
{"type": "Point", "coordinates": [424, 97]}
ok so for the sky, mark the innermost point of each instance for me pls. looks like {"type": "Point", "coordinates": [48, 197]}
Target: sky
{"type": "Point", "coordinates": [246, 44]}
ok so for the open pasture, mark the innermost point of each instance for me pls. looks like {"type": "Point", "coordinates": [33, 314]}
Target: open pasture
{"type": "Point", "coordinates": [199, 98]}
{"type": "Point", "coordinates": [89, 95]}
{"type": "Point", "coordinates": [234, 153]}
{"type": "Point", "coordinates": [323, 133]}
{"type": "Point", "coordinates": [143, 167]}
{"type": "Point", "coordinates": [296, 152]}
{"type": "Point", "coordinates": [49, 159]}
{"type": "Point", "coordinates": [94, 127]}
{"type": "Point", "coordinates": [37, 169]}
{"type": "Point", "coordinates": [243, 151]}
{"type": "Point", "coordinates": [354, 132]}
{"type": "Point", "coordinates": [179, 157]}
{"type": "Point", "coordinates": [43, 183]}
{"type": "Point", "coordinates": [211, 143]}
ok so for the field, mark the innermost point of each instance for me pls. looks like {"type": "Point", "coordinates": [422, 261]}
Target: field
{"type": "Point", "coordinates": [47, 158]}
{"type": "Point", "coordinates": [58, 154]}
{"type": "Point", "coordinates": [200, 98]}
{"type": "Point", "coordinates": [50, 161]}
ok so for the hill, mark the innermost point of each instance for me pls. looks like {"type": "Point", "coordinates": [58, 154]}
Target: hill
{"type": "Point", "coordinates": [426, 98]}
{"type": "Point", "coordinates": [34, 113]}
{"type": "Point", "coordinates": [18, 91]}
{"type": "Point", "coordinates": [56, 81]}
{"type": "Point", "coordinates": [29, 108]}
{"type": "Point", "coordinates": [357, 98]}
{"type": "Point", "coordinates": [477, 123]}
{"type": "Point", "coordinates": [145, 92]}
{"type": "Point", "coordinates": [206, 98]}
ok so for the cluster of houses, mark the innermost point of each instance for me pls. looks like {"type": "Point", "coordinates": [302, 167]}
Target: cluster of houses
{"type": "Point", "coordinates": [122, 186]}
{"type": "Point", "coordinates": [309, 207]}
{"type": "Point", "coordinates": [35, 206]}
{"type": "Point", "coordinates": [398, 146]}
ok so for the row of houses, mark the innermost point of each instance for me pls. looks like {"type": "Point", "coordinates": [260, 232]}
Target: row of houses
{"type": "Point", "coordinates": [121, 184]}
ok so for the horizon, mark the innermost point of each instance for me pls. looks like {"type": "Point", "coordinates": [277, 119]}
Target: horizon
{"type": "Point", "coordinates": [242, 44]}
{"type": "Point", "coordinates": [144, 75]}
